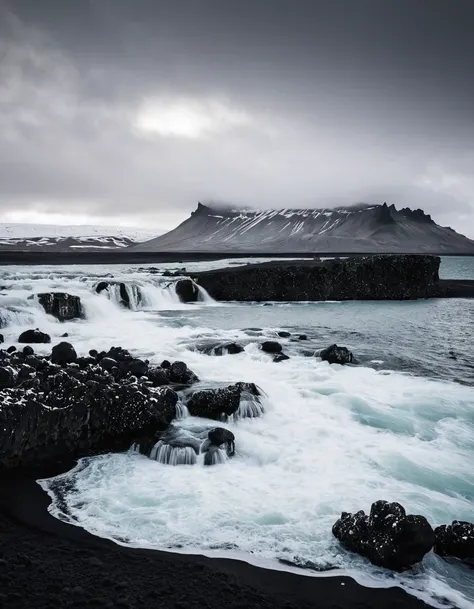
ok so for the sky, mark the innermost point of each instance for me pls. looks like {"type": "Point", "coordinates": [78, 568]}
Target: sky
{"type": "Point", "coordinates": [121, 112]}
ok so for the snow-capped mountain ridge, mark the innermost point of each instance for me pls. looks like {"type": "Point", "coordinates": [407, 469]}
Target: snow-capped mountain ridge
{"type": "Point", "coordinates": [360, 228]}
{"type": "Point", "coordinates": [20, 230]}
{"type": "Point", "coordinates": [35, 237]}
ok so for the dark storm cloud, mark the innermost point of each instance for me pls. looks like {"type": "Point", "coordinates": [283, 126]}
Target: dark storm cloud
{"type": "Point", "coordinates": [111, 107]}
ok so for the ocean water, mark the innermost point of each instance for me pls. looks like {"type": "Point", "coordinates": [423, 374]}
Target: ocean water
{"type": "Point", "coordinates": [399, 425]}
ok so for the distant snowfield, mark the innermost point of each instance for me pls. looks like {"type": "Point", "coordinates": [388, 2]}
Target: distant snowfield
{"type": "Point", "coordinates": [22, 231]}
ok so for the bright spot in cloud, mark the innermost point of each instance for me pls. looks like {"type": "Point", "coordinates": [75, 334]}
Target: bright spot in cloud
{"type": "Point", "coordinates": [188, 118]}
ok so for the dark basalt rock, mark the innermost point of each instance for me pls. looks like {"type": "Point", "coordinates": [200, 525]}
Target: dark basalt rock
{"type": "Point", "coordinates": [34, 336]}
{"type": "Point", "coordinates": [138, 367]}
{"type": "Point", "coordinates": [2, 339]}
{"type": "Point", "coordinates": [281, 357]}
{"type": "Point", "coordinates": [271, 346]}
{"type": "Point", "coordinates": [158, 376]}
{"type": "Point", "coordinates": [379, 277]}
{"type": "Point", "coordinates": [388, 537]}
{"type": "Point", "coordinates": [28, 350]}
{"type": "Point", "coordinates": [284, 334]}
{"type": "Point", "coordinates": [219, 403]}
{"type": "Point", "coordinates": [187, 290]}
{"type": "Point", "coordinates": [61, 305]}
{"type": "Point", "coordinates": [8, 377]}
{"type": "Point", "coordinates": [228, 349]}
{"type": "Point", "coordinates": [303, 337]}
{"type": "Point", "coordinates": [179, 373]}
{"type": "Point", "coordinates": [456, 539]}
{"type": "Point", "coordinates": [219, 436]}
{"type": "Point", "coordinates": [336, 355]}
{"type": "Point", "coordinates": [64, 353]}
{"type": "Point", "coordinates": [51, 413]}
{"type": "Point", "coordinates": [107, 363]}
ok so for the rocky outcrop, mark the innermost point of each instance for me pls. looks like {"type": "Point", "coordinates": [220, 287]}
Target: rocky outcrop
{"type": "Point", "coordinates": [388, 537]}
{"type": "Point", "coordinates": [52, 410]}
{"type": "Point", "coordinates": [34, 336]}
{"type": "Point", "coordinates": [380, 277]}
{"type": "Point", "coordinates": [217, 404]}
{"type": "Point", "coordinates": [187, 290]}
{"type": "Point", "coordinates": [61, 305]}
{"type": "Point", "coordinates": [456, 539]}
{"type": "Point", "coordinates": [336, 355]}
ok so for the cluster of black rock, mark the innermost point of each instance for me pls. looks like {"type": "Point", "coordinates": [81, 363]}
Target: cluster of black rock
{"type": "Point", "coordinates": [63, 406]}
{"type": "Point", "coordinates": [391, 538]}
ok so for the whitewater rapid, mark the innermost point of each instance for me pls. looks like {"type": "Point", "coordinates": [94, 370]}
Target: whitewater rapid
{"type": "Point", "coordinates": [330, 439]}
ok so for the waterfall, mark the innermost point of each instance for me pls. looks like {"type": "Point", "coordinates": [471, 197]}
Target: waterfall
{"type": "Point", "coordinates": [173, 455]}
{"type": "Point", "coordinates": [182, 411]}
{"type": "Point", "coordinates": [203, 295]}
{"type": "Point", "coordinates": [160, 297]}
{"type": "Point", "coordinates": [250, 407]}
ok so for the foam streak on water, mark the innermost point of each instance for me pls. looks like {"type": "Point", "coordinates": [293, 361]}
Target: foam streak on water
{"type": "Point", "coordinates": [400, 427]}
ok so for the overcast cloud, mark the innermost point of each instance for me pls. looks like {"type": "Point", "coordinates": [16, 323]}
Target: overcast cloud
{"type": "Point", "coordinates": [119, 111]}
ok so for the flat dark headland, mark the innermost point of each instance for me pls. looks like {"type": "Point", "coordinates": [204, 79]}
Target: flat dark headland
{"type": "Point", "coordinates": [129, 256]}
{"type": "Point", "coordinates": [45, 563]}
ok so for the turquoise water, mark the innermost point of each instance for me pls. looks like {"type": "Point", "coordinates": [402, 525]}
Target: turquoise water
{"type": "Point", "coordinates": [457, 267]}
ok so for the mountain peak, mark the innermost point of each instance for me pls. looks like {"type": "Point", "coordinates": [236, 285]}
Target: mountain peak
{"type": "Point", "coordinates": [356, 228]}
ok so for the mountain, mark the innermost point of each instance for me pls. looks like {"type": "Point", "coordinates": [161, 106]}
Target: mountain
{"type": "Point", "coordinates": [356, 229]}
{"type": "Point", "coordinates": [66, 238]}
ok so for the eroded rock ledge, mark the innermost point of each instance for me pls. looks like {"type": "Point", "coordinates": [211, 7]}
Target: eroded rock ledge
{"type": "Point", "coordinates": [403, 277]}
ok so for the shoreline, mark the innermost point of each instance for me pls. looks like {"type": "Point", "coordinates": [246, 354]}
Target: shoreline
{"type": "Point", "coordinates": [154, 577]}
{"type": "Point", "coordinates": [18, 257]}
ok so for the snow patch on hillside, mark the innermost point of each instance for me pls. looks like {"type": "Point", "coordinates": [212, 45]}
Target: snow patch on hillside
{"type": "Point", "coordinates": [24, 231]}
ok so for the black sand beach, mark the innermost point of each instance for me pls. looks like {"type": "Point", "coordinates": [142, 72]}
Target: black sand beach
{"type": "Point", "coordinates": [45, 563]}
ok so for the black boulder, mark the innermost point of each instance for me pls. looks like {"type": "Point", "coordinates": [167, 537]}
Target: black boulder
{"type": "Point", "coordinates": [388, 537]}
{"type": "Point", "coordinates": [336, 355]}
{"type": "Point", "coordinates": [34, 336]}
{"type": "Point", "coordinates": [456, 539]}
{"type": "Point", "coordinates": [271, 346]}
{"type": "Point", "coordinates": [63, 354]}
{"type": "Point", "coordinates": [187, 290]}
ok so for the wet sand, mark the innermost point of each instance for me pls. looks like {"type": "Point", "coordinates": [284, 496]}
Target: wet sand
{"type": "Point", "coordinates": [45, 563]}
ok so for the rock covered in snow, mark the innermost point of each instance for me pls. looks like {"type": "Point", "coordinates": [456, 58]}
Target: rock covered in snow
{"type": "Point", "coordinates": [388, 537]}
{"type": "Point", "coordinates": [456, 539]}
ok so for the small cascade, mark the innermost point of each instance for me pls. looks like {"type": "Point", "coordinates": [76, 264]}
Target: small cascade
{"type": "Point", "coordinates": [173, 455]}
{"type": "Point", "coordinates": [203, 295]}
{"type": "Point", "coordinates": [250, 407]}
{"type": "Point", "coordinates": [215, 456]}
{"type": "Point", "coordinates": [124, 294]}
{"type": "Point", "coordinates": [182, 411]}
{"type": "Point", "coordinates": [161, 297]}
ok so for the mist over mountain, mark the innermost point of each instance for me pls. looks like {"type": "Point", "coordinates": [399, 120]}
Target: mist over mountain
{"type": "Point", "coordinates": [361, 228]}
